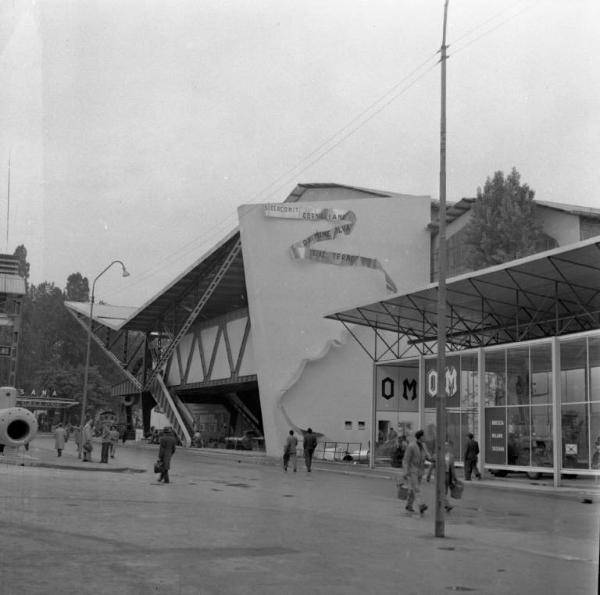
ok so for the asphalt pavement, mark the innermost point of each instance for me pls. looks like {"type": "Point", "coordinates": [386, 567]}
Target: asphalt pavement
{"type": "Point", "coordinates": [233, 522]}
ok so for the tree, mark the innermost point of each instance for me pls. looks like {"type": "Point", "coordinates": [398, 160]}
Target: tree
{"type": "Point", "coordinates": [52, 346]}
{"type": "Point", "coordinates": [21, 254]}
{"type": "Point", "coordinates": [78, 288]}
{"type": "Point", "coordinates": [503, 224]}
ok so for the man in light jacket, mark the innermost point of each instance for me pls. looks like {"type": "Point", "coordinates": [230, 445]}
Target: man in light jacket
{"type": "Point", "coordinates": [413, 466]}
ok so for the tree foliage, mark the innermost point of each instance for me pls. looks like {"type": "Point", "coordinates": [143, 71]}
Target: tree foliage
{"type": "Point", "coordinates": [503, 226]}
{"type": "Point", "coordinates": [21, 253]}
{"type": "Point", "coordinates": [78, 288]}
{"type": "Point", "coordinates": [52, 345]}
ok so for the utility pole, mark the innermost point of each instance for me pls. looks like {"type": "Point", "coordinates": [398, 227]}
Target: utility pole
{"type": "Point", "coordinates": [440, 410]}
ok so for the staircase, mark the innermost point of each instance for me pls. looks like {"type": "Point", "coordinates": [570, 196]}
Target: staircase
{"type": "Point", "coordinates": [166, 402]}
{"type": "Point", "coordinates": [248, 416]}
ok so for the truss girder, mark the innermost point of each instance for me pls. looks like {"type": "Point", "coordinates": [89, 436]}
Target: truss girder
{"type": "Point", "coordinates": [215, 276]}
{"type": "Point", "coordinates": [549, 294]}
{"type": "Point", "coordinates": [197, 347]}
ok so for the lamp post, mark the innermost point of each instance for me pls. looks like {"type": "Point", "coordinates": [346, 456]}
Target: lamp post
{"type": "Point", "coordinates": [87, 354]}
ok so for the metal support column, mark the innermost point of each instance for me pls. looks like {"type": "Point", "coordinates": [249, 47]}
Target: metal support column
{"type": "Point", "coordinates": [556, 413]}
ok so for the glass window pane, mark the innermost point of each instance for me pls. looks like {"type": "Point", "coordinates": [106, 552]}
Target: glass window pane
{"type": "Point", "coordinates": [454, 430]}
{"type": "Point", "coordinates": [430, 431]}
{"type": "Point", "coordinates": [495, 378]}
{"type": "Point", "coordinates": [594, 354]}
{"type": "Point", "coordinates": [541, 436]}
{"type": "Point", "coordinates": [519, 439]}
{"type": "Point", "coordinates": [541, 374]}
{"type": "Point", "coordinates": [595, 433]}
{"type": "Point", "coordinates": [573, 358]}
{"type": "Point", "coordinates": [469, 384]}
{"type": "Point", "coordinates": [517, 376]}
{"type": "Point", "coordinates": [575, 436]}
{"type": "Point", "coordinates": [469, 423]}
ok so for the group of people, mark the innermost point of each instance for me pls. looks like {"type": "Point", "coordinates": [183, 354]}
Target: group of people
{"type": "Point", "coordinates": [416, 455]}
{"type": "Point", "coordinates": [110, 436]}
{"type": "Point", "coordinates": [109, 439]}
{"type": "Point", "coordinates": [291, 447]}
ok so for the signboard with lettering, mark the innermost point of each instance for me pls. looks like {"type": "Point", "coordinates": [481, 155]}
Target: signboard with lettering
{"type": "Point", "coordinates": [451, 382]}
{"type": "Point", "coordinates": [495, 435]}
{"type": "Point", "coordinates": [343, 222]}
{"type": "Point", "coordinates": [397, 388]}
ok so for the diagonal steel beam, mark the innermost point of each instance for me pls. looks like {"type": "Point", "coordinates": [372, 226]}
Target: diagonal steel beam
{"type": "Point", "coordinates": [107, 352]}
{"type": "Point", "coordinates": [220, 273]}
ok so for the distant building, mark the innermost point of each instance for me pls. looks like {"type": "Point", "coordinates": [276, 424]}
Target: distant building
{"type": "Point", "coordinates": [12, 291]}
{"type": "Point", "coordinates": [562, 225]}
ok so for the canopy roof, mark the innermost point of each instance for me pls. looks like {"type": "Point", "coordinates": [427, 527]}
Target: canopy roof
{"type": "Point", "coordinates": [552, 293]}
{"type": "Point", "coordinates": [183, 292]}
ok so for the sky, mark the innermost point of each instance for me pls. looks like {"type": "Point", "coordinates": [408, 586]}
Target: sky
{"type": "Point", "coordinates": [135, 128]}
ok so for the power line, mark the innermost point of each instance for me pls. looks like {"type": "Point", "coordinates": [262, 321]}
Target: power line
{"type": "Point", "coordinates": [331, 142]}
{"type": "Point", "coordinates": [492, 29]}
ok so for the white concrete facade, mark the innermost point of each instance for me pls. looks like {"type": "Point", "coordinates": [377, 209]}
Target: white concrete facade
{"type": "Point", "coordinates": [310, 372]}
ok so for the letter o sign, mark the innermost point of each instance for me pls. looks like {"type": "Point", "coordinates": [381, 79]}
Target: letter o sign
{"type": "Point", "coordinates": [387, 388]}
{"type": "Point", "coordinates": [432, 382]}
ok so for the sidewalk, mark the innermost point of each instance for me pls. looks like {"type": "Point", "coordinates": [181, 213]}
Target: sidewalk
{"type": "Point", "coordinates": [136, 457]}
{"type": "Point", "coordinates": [41, 453]}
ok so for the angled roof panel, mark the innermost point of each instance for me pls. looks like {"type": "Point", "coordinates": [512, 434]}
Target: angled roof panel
{"type": "Point", "coordinates": [111, 316]}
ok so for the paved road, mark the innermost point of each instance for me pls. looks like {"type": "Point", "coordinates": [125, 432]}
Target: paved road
{"type": "Point", "coordinates": [229, 527]}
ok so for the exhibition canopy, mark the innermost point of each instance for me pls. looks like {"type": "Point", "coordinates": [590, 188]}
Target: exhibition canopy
{"type": "Point", "coordinates": [551, 293]}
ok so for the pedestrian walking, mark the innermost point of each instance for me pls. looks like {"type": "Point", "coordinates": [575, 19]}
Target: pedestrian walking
{"type": "Point", "coordinates": [114, 439]}
{"type": "Point", "coordinates": [87, 447]}
{"type": "Point", "coordinates": [166, 449]}
{"type": "Point", "coordinates": [289, 452]}
{"type": "Point", "coordinates": [105, 444]}
{"type": "Point", "coordinates": [76, 431]}
{"type": "Point", "coordinates": [413, 467]}
{"type": "Point", "coordinates": [450, 474]}
{"type": "Point", "coordinates": [310, 444]}
{"type": "Point", "coordinates": [60, 437]}
{"type": "Point", "coordinates": [471, 454]}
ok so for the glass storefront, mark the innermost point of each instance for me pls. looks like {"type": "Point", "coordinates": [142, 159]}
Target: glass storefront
{"type": "Point", "coordinates": [518, 410]}
{"type": "Point", "coordinates": [518, 422]}
{"type": "Point", "coordinates": [580, 406]}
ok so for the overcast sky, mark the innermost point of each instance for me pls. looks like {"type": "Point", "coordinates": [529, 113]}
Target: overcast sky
{"type": "Point", "coordinates": [135, 128]}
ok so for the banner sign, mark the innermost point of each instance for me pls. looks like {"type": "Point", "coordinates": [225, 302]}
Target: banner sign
{"type": "Point", "coordinates": [450, 384]}
{"type": "Point", "coordinates": [397, 388]}
{"type": "Point", "coordinates": [343, 221]}
{"type": "Point", "coordinates": [495, 435]}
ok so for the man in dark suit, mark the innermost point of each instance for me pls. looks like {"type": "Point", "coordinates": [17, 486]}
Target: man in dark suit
{"type": "Point", "coordinates": [166, 449]}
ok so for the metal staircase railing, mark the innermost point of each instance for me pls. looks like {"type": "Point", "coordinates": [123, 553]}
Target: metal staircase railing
{"type": "Point", "coordinates": [165, 401]}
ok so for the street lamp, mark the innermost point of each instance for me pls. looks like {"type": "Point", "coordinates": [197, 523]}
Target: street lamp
{"type": "Point", "coordinates": [87, 354]}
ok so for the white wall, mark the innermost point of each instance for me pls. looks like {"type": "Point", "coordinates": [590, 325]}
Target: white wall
{"type": "Point", "coordinates": [288, 299]}
{"type": "Point", "coordinates": [563, 227]}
